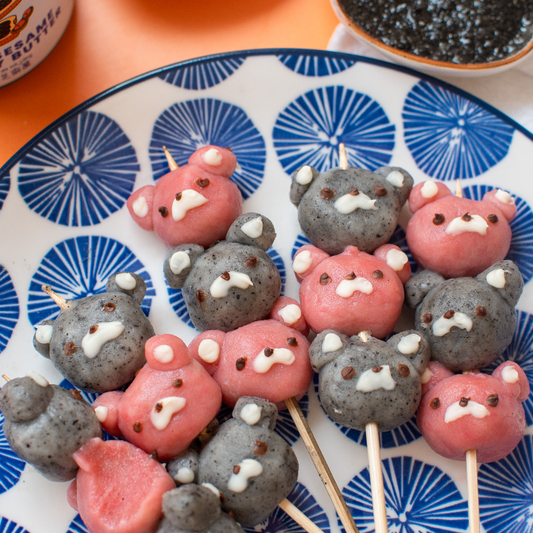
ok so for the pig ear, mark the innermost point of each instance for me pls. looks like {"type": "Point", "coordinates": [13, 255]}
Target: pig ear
{"type": "Point", "coordinates": [179, 262]}
{"type": "Point", "coordinates": [166, 352]}
{"type": "Point", "coordinates": [256, 412]}
{"type": "Point", "coordinates": [513, 377]}
{"type": "Point", "coordinates": [206, 349]}
{"type": "Point", "coordinates": [252, 229]}
{"type": "Point", "coordinates": [396, 259]}
{"type": "Point", "coordinates": [140, 205]}
{"type": "Point", "coordinates": [434, 373]}
{"type": "Point", "coordinates": [400, 179]}
{"type": "Point", "coordinates": [426, 192]}
{"type": "Point", "coordinates": [306, 259]}
{"type": "Point", "coordinates": [288, 311]}
{"type": "Point", "coordinates": [414, 346]}
{"type": "Point", "coordinates": [326, 347]}
{"type": "Point", "coordinates": [128, 283]}
{"type": "Point", "coordinates": [301, 181]}
{"type": "Point", "coordinates": [419, 285]}
{"type": "Point", "coordinates": [505, 278]}
{"type": "Point", "coordinates": [43, 336]}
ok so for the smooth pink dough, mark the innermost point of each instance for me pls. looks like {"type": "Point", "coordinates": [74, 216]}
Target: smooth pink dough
{"type": "Point", "coordinates": [242, 349]}
{"type": "Point", "coordinates": [464, 254]}
{"type": "Point", "coordinates": [485, 411]}
{"type": "Point", "coordinates": [119, 487]}
{"type": "Point", "coordinates": [376, 312]}
{"type": "Point", "coordinates": [170, 401]}
{"type": "Point", "coordinates": [208, 174]}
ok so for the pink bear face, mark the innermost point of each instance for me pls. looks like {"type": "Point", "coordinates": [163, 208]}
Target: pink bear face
{"type": "Point", "coordinates": [194, 203]}
{"type": "Point", "coordinates": [455, 236]}
{"type": "Point", "coordinates": [170, 401]}
{"type": "Point", "coordinates": [474, 411]}
{"type": "Point", "coordinates": [353, 291]}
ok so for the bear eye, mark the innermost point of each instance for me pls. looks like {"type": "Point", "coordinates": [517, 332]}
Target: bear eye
{"type": "Point", "coordinates": [493, 400]}
{"type": "Point", "coordinates": [291, 341]}
{"type": "Point", "coordinates": [327, 194]}
{"type": "Point", "coordinates": [435, 403]}
{"type": "Point", "coordinates": [404, 370]}
{"type": "Point", "coordinates": [348, 372]}
{"type": "Point", "coordinates": [438, 219]}
{"type": "Point", "coordinates": [325, 279]}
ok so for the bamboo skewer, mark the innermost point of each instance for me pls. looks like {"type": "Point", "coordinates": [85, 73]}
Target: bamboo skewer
{"type": "Point", "coordinates": [343, 158]}
{"type": "Point", "coordinates": [376, 478]}
{"type": "Point", "coordinates": [299, 517]}
{"type": "Point", "coordinates": [473, 494]}
{"type": "Point", "coordinates": [321, 465]}
{"type": "Point", "coordinates": [59, 300]}
{"type": "Point", "coordinates": [170, 160]}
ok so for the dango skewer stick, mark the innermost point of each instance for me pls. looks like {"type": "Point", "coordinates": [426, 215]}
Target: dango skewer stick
{"type": "Point", "coordinates": [343, 158]}
{"type": "Point", "coordinates": [172, 165]}
{"type": "Point", "coordinates": [300, 518]}
{"type": "Point", "coordinates": [59, 300]}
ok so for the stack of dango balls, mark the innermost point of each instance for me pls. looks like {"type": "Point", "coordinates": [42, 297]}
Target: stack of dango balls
{"type": "Point", "coordinates": [254, 353]}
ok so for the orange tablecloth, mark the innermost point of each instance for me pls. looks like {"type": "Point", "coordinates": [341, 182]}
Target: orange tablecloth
{"type": "Point", "coordinates": [110, 41]}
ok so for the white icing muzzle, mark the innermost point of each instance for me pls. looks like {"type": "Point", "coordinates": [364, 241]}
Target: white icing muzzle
{"type": "Point", "coordinates": [164, 409]}
{"type": "Point", "coordinates": [456, 411]}
{"type": "Point", "coordinates": [348, 203]}
{"type": "Point", "coordinates": [263, 362]}
{"type": "Point", "coordinates": [238, 482]}
{"type": "Point", "coordinates": [375, 378]}
{"type": "Point", "coordinates": [442, 326]}
{"type": "Point", "coordinates": [476, 224]}
{"type": "Point", "coordinates": [221, 286]}
{"type": "Point", "coordinates": [347, 287]}
{"type": "Point", "coordinates": [92, 343]}
{"type": "Point", "coordinates": [189, 200]}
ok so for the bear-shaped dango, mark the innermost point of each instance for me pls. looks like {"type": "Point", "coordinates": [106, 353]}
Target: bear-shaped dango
{"type": "Point", "coordinates": [364, 380]}
{"type": "Point", "coordinates": [45, 424]}
{"type": "Point", "coordinates": [352, 291]}
{"type": "Point", "coordinates": [249, 463]}
{"type": "Point", "coordinates": [474, 411]}
{"type": "Point", "coordinates": [231, 284]}
{"type": "Point", "coordinates": [267, 358]}
{"type": "Point", "coordinates": [170, 401]}
{"type": "Point", "coordinates": [349, 206]}
{"type": "Point", "coordinates": [468, 321]}
{"type": "Point", "coordinates": [456, 236]}
{"type": "Point", "coordinates": [196, 202]}
{"type": "Point", "coordinates": [97, 342]}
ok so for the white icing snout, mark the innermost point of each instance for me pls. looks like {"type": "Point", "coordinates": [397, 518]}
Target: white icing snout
{"type": "Point", "coordinates": [251, 414]}
{"type": "Point", "coordinates": [209, 350]}
{"type": "Point", "coordinates": [348, 203]}
{"type": "Point", "coordinates": [140, 207]}
{"type": "Point", "coordinates": [442, 326]}
{"type": "Point", "coordinates": [302, 262]}
{"type": "Point", "coordinates": [475, 224]}
{"type": "Point", "coordinates": [238, 482]}
{"type": "Point", "coordinates": [189, 199]}
{"type": "Point", "coordinates": [496, 278]}
{"type": "Point", "coordinates": [164, 409]}
{"type": "Point", "coordinates": [126, 281]}
{"type": "Point", "coordinates": [164, 353]}
{"type": "Point", "coordinates": [212, 157]}
{"type": "Point", "coordinates": [92, 343]}
{"type": "Point", "coordinates": [253, 228]}
{"type": "Point", "coordinates": [221, 286]}
{"type": "Point", "coordinates": [263, 362]}
{"type": "Point", "coordinates": [456, 411]}
{"type": "Point", "coordinates": [290, 314]}
{"type": "Point", "coordinates": [375, 378]}
{"type": "Point", "coordinates": [305, 175]}
{"type": "Point", "coordinates": [179, 262]}
{"type": "Point", "coordinates": [43, 334]}
{"type": "Point", "coordinates": [347, 287]}
{"type": "Point", "coordinates": [409, 344]}
{"type": "Point", "coordinates": [429, 189]}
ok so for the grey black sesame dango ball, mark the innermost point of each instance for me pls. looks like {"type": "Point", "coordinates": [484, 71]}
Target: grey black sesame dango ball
{"type": "Point", "coordinates": [45, 424]}
{"type": "Point", "coordinates": [349, 206]}
{"type": "Point", "coordinates": [97, 342]}
{"type": "Point", "coordinates": [231, 284]}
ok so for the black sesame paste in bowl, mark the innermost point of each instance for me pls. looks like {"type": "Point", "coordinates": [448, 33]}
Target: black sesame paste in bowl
{"type": "Point", "coordinates": [456, 31]}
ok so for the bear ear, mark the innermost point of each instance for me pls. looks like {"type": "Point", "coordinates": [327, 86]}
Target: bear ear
{"type": "Point", "coordinates": [256, 412]}
{"type": "Point", "coordinates": [419, 285]}
{"type": "Point", "coordinates": [414, 346]}
{"type": "Point", "coordinates": [326, 347]}
{"type": "Point", "coordinates": [503, 201]}
{"type": "Point", "coordinates": [43, 336]}
{"type": "Point", "coordinates": [289, 312]}
{"type": "Point", "coordinates": [434, 373]}
{"type": "Point", "coordinates": [206, 347]}
{"type": "Point", "coordinates": [396, 259]}
{"type": "Point", "coordinates": [426, 192]}
{"type": "Point", "coordinates": [400, 179]}
{"type": "Point", "coordinates": [129, 283]}
{"type": "Point", "coordinates": [179, 262]}
{"type": "Point", "coordinates": [301, 181]}
{"type": "Point", "coordinates": [306, 259]}
{"type": "Point", "coordinates": [140, 205]}
{"type": "Point", "coordinates": [513, 377]}
{"type": "Point", "coordinates": [505, 278]}
{"type": "Point", "coordinates": [184, 467]}
{"type": "Point", "coordinates": [252, 229]}
{"type": "Point", "coordinates": [166, 352]}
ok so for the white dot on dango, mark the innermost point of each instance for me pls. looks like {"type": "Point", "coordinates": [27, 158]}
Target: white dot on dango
{"type": "Point", "coordinates": [185, 475]}
{"type": "Point", "coordinates": [209, 350]}
{"type": "Point", "coordinates": [304, 175]}
{"type": "Point", "coordinates": [395, 178]}
{"type": "Point", "coordinates": [496, 278]}
{"type": "Point", "coordinates": [290, 313]}
{"type": "Point", "coordinates": [396, 259]}
{"type": "Point", "coordinates": [510, 375]}
{"type": "Point", "coordinates": [126, 281]}
{"type": "Point", "coordinates": [40, 380]}
{"type": "Point", "coordinates": [251, 414]}
{"type": "Point", "coordinates": [212, 488]}
{"type": "Point", "coordinates": [163, 353]}
{"type": "Point", "coordinates": [212, 157]}
{"type": "Point", "coordinates": [331, 343]}
{"type": "Point", "coordinates": [101, 413]}
{"type": "Point", "coordinates": [504, 197]}
{"type": "Point", "coordinates": [140, 207]}
{"type": "Point", "coordinates": [429, 189]}
{"type": "Point", "coordinates": [302, 262]}
{"type": "Point", "coordinates": [425, 376]}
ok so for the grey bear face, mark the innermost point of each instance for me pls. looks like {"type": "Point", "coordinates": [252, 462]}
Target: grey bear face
{"type": "Point", "coordinates": [468, 322]}
{"type": "Point", "coordinates": [231, 284]}
{"type": "Point", "coordinates": [363, 379]}
{"type": "Point", "coordinates": [97, 342]}
{"type": "Point", "coordinates": [351, 206]}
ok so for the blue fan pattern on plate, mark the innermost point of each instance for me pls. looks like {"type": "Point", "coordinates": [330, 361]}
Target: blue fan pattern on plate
{"type": "Point", "coordinates": [7, 526]}
{"type": "Point", "coordinates": [506, 491]}
{"type": "Point", "coordinates": [311, 65]}
{"type": "Point", "coordinates": [521, 352]}
{"type": "Point", "coordinates": [187, 126]}
{"type": "Point", "coordinates": [9, 308]}
{"type": "Point", "coordinates": [81, 173]}
{"type": "Point", "coordinates": [80, 267]}
{"type": "Point", "coordinates": [202, 75]}
{"type": "Point", "coordinates": [11, 466]}
{"type": "Point", "coordinates": [5, 182]}
{"type": "Point", "coordinates": [521, 250]}
{"type": "Point", "coordinates": [77, 526]}
{"type": "Point", "coordinates": [451, 137]}
{"type": "Point", "coordinates": [308, 131]}
{"type": "Point", "coordinates": [175, 296]}
{"type": "Point", "coordinates": [279, 522]}
{"type": "Point", "coordinates": [419, 498]}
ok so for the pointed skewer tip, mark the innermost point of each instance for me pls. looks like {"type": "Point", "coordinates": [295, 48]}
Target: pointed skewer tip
{"type": "Point", "coordinates": [172, 165]}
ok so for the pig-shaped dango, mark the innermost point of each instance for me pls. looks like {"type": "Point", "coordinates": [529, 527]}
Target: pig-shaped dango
{"type": "Point", "coordinates": [170, 401]}
{"type": "Point", "coordinates": [97, 342]}
{"type": "Point", "coordinates": [468, 321]}
{"type": "Point", "coordinates": [474, 411]}
{"type": "Point", "coordinates": [195, 203]}
{"type": "Point", "coordinates": [352, 291]}
{"type": "Point", "coordinates": [45, 424]}
{"type": "Point", "coordinates": [195, 508]}
{"type": "Point", "coordinates": [234, 282]}
{"type": "Point", "coordinates": [457, 236]}
{"type": "Point", "coordinates": [364, 380]}
{"type": "Point", "coordinates": [349, 206]}
{"type": "Point", "coordinates": [267, 358]}
{"type": "Point", "coordinates": [249, 463]}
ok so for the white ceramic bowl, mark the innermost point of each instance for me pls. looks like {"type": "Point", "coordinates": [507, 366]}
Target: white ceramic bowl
{"type": "Point", "coordinates": [430, 66]}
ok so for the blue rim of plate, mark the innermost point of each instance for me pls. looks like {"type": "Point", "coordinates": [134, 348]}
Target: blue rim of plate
{"type": "Point", "coordinates": [12, 161]}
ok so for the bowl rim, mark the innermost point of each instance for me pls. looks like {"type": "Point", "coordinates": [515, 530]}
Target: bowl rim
{"type": "Point", "coordinates": [359, 32]}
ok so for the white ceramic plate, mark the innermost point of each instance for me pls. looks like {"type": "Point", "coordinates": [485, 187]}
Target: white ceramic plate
{"type": "Point", "coordinates": [64, 222]}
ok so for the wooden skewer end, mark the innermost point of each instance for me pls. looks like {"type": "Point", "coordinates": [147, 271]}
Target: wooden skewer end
{"type": "Point", "coordinates": [343, 158]}
{"type": "Point", "coordinates": [59, 300]}
{"type": "Point", "coordinates": [172, 165]}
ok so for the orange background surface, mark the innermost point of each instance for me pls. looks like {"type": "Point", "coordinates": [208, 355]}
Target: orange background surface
{"type": "Point", "coordinates": [110, 41]}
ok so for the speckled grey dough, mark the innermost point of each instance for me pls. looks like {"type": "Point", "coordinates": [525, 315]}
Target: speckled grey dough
{"type": "Point", "coordinates": [354, 409]}
{"type": "Point", "coordinates": [240, 306]}
{"type": "Point", "coordinates": [188, 459]}
{"type": "Point", "coordinates": [332, 231]}
{"type": "Point", "coordinates": [461, 350]}
{"type": "Point", "coordinates": [118, 360]}
{"type": "Point", "coordinates": [45, 425]}
{"type": "Point", "coordinates": [237, 441]}
{"type": "Point", "coordinates": [194, 508]}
